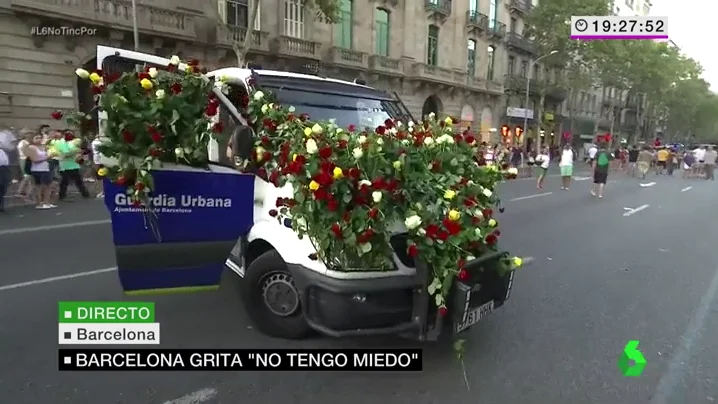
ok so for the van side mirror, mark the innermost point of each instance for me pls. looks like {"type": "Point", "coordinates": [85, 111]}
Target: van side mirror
{"type": "Point", "coordinates": [242, 144]}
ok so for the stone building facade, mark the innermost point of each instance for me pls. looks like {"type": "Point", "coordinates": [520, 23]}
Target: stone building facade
{"type": "Point", "coordinates": [450, 57]}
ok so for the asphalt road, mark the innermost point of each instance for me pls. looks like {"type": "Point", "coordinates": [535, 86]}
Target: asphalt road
{"type": "Point", "coordinates": [638, 264]}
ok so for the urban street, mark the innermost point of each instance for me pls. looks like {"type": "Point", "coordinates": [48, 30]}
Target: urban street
{"type": "Point", "coordinates": [637, 265]}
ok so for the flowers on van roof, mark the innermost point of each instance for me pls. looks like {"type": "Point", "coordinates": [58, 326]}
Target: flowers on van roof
{"type": "Point", "coordinates": [365, 186]}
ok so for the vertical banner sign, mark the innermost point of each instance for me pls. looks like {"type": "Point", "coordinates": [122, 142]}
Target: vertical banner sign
{"type": "Point", "coordinates": [107, 323]}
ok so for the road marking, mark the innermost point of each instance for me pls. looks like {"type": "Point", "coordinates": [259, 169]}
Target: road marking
{"type": "Point", "coordinates": [581, 178]}
{"type": "Point", "coordinates": [627, 208]}
{"type": "Point", "coordinates": [636, 210]}
{"type": "Point", "coordinates": [56, 278]}
{"type": "Point", "coordinates": [686, 189]}
{"type": "Point", "coordinates": [650, 184]}
{"type": "Point", "coordinates": [52, 227]}
{"type": "Point", "coordinates": [521, 198]}
{"type": "Point", "coordinates": [676, 367]}
{"type": "Point", "coordinates": [199, 396]}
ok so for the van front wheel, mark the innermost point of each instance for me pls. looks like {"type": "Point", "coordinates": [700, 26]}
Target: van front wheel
{"type": "Point", "coordinates": [271, 298]}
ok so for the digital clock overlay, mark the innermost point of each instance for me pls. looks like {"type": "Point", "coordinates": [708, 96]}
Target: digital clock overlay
{"type": "Point", "coordinates": [618, 27]}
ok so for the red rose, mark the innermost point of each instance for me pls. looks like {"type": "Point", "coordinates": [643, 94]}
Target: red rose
{"type": "Point", "coordinates": [211, 109]}
{"type": "Point", "coordinates": [193, 62]}
{"type": "Point", "coordinates": [121, 181]}
{"type": "Point", "coordinates": [442, 235]}
{"type": "Point", "coordinates": [156, 137]}
{"type": "Point", "coordinates": [139, 186]}
{"type": "Point", "coordinates": [142, 76]}
{"type": "Point", "coordinates": [301, 159]}
{"type": "Point", "coordinates": [155, 152]}
{"type": "Point", "coordinates": [463, 275]}
{"type": "Point", "coordinates": [280, 202]}
{"type": "Point", "coordinates": [354, 173]}
{"type": "Point", "coordinates": [332, 205]}
{"type": "Point", "coordinates": [373, 213]}
{"type": "Point", "coordinates": [304, 117]}
{"type": "Point", "coordinates": [262, 173]}
{"type": "Point", "coordinates": [321, 194]}
{"type": "Point", "coordinates": [325, 152]}
{"type": "Point", "coordinates": [337, 230]}
{"type": "Point", "coordinates": [176, 88]}
{"type": "Point", "coordinates": [452, 227]}
{"type": "Point", "coordinates": [347, 216]}
{"type": "Point", "coordinates": [56, 115]}
{"type": "Point", "coordinates": [487, 212]}
{"type": "Point", "coordinates": [342, 144]}
{"type": "Point", "coordinates": [128, 136]}
{"type": "Point", "coordinates": [69, 136]}
{"type": "Point", "coordinates": [469, 202]}
{"type": "Point", "coordinates": [265, 141]}
{"type": "Point", "coordinates": [389, 123]}
{"type": "Point", "coordinates": [443, 311]}
{"type": "Point", "coordinates": [470, 139]}
{"type": "Point", "coordinates": [218, 127]}
{"type": "Point", "coordinates": [458, 138]}
{"type": "Point", "coordinates": [380, 130]}
{"type": "Point", "coordinates": [435, 166]}
{"type": "Point", "coordinates": [378, 183]}
{"type": "Point", "coordinates": [351, 128]}
{"type": "Point", "coordinates": [266, 156]}
{"type": "Point", "coordinates": [491, 239]}
{"type": "Point", "coordinates": [431, 230]}
{"type": "Point", "coordinates": [273, 213]}
{"type": "Point", "coordinates": [324, 178]}
{"type": "Point", "coordinates": [412, 250]}
{"type": "Point", "coordinates": [98, 89]}
{"type": "Point", "coordinates": [274, 177]}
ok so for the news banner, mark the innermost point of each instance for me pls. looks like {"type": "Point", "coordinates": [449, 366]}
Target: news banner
{"type": "Point", "coordinates": [134, 323]}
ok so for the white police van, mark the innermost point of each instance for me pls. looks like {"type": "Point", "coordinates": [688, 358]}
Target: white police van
{"type": "Point", "coordinates": [287, 294]}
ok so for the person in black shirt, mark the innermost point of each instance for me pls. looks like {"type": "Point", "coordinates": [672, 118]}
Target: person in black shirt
{"type": "Point", "coordinates": [633, 161]}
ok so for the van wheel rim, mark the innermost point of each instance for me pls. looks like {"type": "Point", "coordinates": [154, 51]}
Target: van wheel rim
{"type": "Point", "coordinates": [280, 295]}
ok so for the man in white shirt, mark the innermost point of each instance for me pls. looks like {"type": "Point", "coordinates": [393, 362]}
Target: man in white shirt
{"type": "Point", "coordinates": [592, 153]}
{"type": "Point", "coordinates": [566, 166]}
{"type": "Point", "coordinates": [700, 155]}
{"type": "Point", "coordinates": [97, 164]}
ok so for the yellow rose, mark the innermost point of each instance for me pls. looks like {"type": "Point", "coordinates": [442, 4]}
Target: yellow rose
{"type": "Point", "coordinates": [449, 194]}
{"type": "Point", "coordinates": [189, 69]}
{"type": "Point", "coordinates": [396, 164]}
{"type": "Point", "coordinates": [517, 262]}
{"type": "Point", "coordinates": [454, 215]}
{"type": "Point", "coordinates": [95, 78]}
{"type": "Point", "coordinates": [294, 157]}
{"type": "Point", "coordinates": [307, 132]}
{"type": "Point", "coordinates": [448, 120]}
{"type": "Point", "coordinates": [338, 173]}
{"type": "Point", "coordinates": [102, 172]}
{"type": "Point", "coordinates": [493, 223]}
{"type": "Point", "coordinates": [313, 185]}
{"type": "Point", "coordinates": [146, 84]}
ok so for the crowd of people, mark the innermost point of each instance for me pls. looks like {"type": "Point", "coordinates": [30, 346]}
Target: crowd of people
{"type": "Point", "coordinates": [40, 165]}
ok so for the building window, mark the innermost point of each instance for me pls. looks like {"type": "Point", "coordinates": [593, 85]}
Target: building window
{"type": "Point", "coordinates": [524, 68]}
{"type": "Point", "coordinates": [512, 65]}
{"type": "Point", "coordinates": [546, 75]}
{"type": "Point", "coordinates": [432, 54]}
{"type": "Point", "coordinates": [473, 6]}
{"type": "Point", "coordinates": [471, 68]}
{"type": "Point", "coordinates": [382, 32]}
{"type": "Point", "coordinates": [493, 14]}
{"type": "Point", "coordinates": [235, 13]}
{"type": "Point", "coordinates": [513, 25]}
{"type": "Point", "coordinates": [294, 18]}
{"type": "Point", "coordinates": [536, 72]}
{"type": "Point", "coordinates": [344, 30]}
{"type": "Point", "coordinates": [492, 54]}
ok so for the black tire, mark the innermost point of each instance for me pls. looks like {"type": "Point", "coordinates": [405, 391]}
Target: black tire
{"type": "Point", "coordinates": [270, 264]}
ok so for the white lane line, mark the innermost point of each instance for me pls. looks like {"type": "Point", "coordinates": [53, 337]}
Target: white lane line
{"type": "Point", "coordinates": [636, 210]}
{"type": "Point", "coordinates": [686, 189]}
{"type": "Point", "coordinates": [521, 198]}
{"type": "Point", "coordinates": [677, 366]}
{"type": "Point", "coordinates": [56, 279]}
{"type": "Point", "coordinates": [581, 178]}
{"type": "Point", "coordinates": [199, 396]}
{"type": "Point", "coordinates": [650, 184]}
{"type": "Point", "coordinates": [52, 227]}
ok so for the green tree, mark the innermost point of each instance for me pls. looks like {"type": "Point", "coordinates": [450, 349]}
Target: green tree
{"type": "Point", "coordinates": [549, 26]}
{"type": "Point", "coordinates": [326, 11]}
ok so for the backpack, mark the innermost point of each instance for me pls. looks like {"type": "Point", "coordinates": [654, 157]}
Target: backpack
{"type": "Point", "coordinates": [602, 159]}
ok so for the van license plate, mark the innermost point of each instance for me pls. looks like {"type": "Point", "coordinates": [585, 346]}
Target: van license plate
{"type": "Point", "coordinates": [474, 316]}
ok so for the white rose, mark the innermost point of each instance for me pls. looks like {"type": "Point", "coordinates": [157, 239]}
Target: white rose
{"type": "Point", "coordinates": [362, 139]}
{"type": "Point", "coordinates": [376, 196]}
{"type": "Point", "coordinates": [412, 222]}
{"type": "Point", "coordinates": [513, 171]}
{"type": "Point", "coordinates": [411, 129]}
{"type": "Point", "coordinates": [365, 183]}
{"type": "Point", "coordinates": [82, 73]}
{"type": "Point", "coordinates": [488, 192]}
{"type": "Point", "coordinates": [258, 95]}
{"type": "Point", "coordinates": [160, 94]}
{"type": "Point", "coordinates": [179, 152]}
{"type": "Point", "coordinates": [175, 60]}
{"type": "Point", "coordinates": [152, 72]}
{"type": "Point", "coordinates": [301, 223]}
{"type": "Point", "coordinates": [478, 214]}
{"type": "Point", "coordinates": [380, 141]}
{"type": "Point", "coordinates": [265, 108]}
{"type": "Point", "coordinates": [405, 141]}
{"type": "Point", "coordinates": [411, 124]}
{"type": "Point", "coordinates": [311, 146]}
{"type": "Point", "coordinates": [429, 141]}
{"type": "Point", "coordinates": [393, 131]}
{"type": "Point", "coordinates": [432, 115]}
{"type": "Point", "coordinates": [357, 152]}
{"type": "Point", "coordinates": [317, 129]}
{"type": "Point", "coordinates": [291, 108]}
{"type": "Point", "coordinates": [365, 248]}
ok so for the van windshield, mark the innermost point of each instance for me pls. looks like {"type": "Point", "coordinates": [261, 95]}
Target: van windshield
{"type": "Point", "coordinates": [345, 109]}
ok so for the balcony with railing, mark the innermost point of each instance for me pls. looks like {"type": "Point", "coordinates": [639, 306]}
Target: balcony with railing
{"type": "Point", "coordinates": [517, 84]}
{"type": "Point", "coordinates": [115, 14]}
{"type": "Point", "coordinates": [477, 22]}
{"type": "Point", "coordinates": [347, 57]}
{"type": "Point", "coordinates": [556, 92]}
{"type": "Point", "coordinates": [423, 71]}
{"type": "Point", "coordinates": [295, 47]}
{"type": "Point", "coordinates": [521, 7]}
{"type": "Point", "coordinates": [235, 35]}
{"type": "Point", "coordinates": [520, 43]}
{"type": "Point", "coordinates": [385, 65]}
{"type": "Point", "coordinates": [438, 8]}
{"type": "Point", "coordinates": [496, 30]}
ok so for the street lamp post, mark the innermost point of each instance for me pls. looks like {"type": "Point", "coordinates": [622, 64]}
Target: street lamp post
{"type": "Point", "coordinates": [528, 88]}
{"type": "Point", "coordinates": [135, 31]}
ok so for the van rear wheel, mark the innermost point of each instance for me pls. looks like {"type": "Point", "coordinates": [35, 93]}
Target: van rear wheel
{"type": "Point", "coordinates": [271, 298]}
